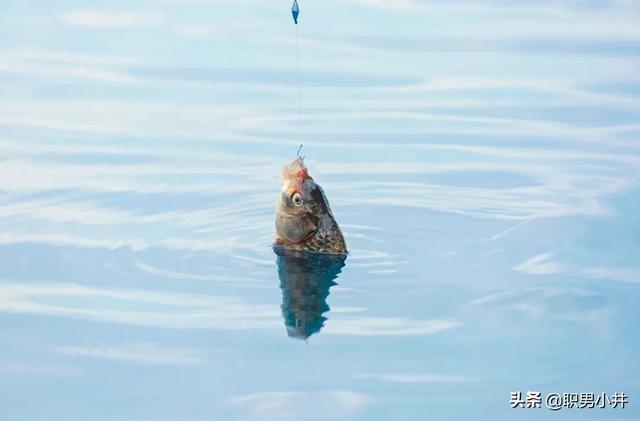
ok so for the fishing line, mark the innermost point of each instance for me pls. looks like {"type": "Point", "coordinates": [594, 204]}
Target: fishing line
{"type": "Point", "coordinates": [295, 11]}
{"type": "Point", "coordinates": [299, 89]}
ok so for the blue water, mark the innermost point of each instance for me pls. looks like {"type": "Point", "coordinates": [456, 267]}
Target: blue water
{"type": "Point", "coordinates": [482, 158]}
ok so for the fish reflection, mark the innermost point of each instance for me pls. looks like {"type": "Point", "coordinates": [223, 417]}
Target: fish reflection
{"type": "Point", "coordinates": [305, 280]}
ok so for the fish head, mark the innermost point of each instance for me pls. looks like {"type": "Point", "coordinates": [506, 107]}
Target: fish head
{"type": "Point", "coordinates": [301, 205]}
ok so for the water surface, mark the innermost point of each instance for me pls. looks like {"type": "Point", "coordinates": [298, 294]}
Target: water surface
{"type": "Point", "coordinates": [482, 158]}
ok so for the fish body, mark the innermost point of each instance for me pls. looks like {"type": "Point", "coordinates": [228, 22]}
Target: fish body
{"type": "Point", "coordinates": [304, 220]}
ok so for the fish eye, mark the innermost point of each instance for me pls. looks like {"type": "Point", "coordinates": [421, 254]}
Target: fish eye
{"type": "Point", "coordinates": [297, 199]}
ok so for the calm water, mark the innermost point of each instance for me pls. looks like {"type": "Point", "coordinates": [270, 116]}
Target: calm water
{"type": "Point", "coordinates": [482, 158]}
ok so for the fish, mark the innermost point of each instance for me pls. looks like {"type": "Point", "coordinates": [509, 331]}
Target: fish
{"type": "Point", "coordinates": [304, 220]}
